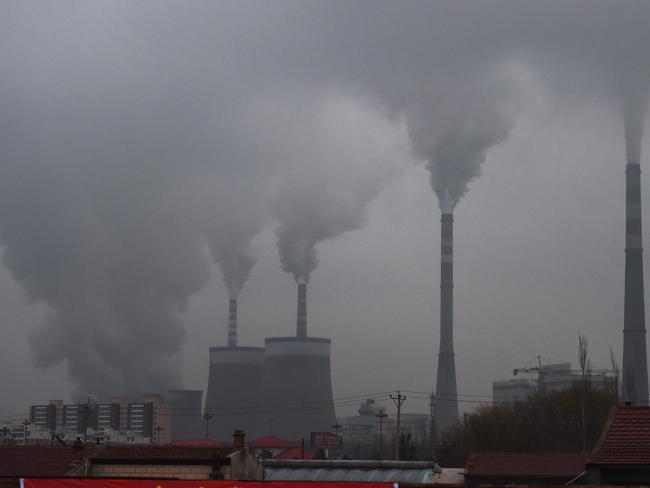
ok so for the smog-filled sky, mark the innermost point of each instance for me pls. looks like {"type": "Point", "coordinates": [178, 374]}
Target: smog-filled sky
{"type": "Point", "coordinates": [157, 157]}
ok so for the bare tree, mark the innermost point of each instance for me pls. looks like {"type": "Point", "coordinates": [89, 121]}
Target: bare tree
{"type": "Point", "coordinates": [616, 371]}
{"type": "Point", "coordinates": [583, 360]}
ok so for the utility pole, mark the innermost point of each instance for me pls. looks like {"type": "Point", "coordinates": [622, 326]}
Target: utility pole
{"type": "Point", "coordinates": [399, 399]}
{"type": "Point", "coordinates": [207, 417]}
{"type": "Point", "coordinates": [5, 435]}
{"type": "Point", "coordinates": [381, 416]}
{"type": "Point", "coordinates": [85, 414]}
{"type": "Point", "coordinates": [25, 427]}
{"type": "Point", "coordinates": [158, 429]}
{"type": "Point", "coordinates": [336, 428]}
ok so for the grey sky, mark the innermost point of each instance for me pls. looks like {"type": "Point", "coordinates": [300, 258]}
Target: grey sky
{"type": "Point", "coordinates": [135, 137]}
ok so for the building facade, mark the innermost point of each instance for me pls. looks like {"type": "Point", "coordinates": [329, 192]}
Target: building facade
{"type": "Point", "coordinates": [146, 421]}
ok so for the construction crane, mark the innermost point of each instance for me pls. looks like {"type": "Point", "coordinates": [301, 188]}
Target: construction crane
{"type": "Point", "coordinates": [530, 369]}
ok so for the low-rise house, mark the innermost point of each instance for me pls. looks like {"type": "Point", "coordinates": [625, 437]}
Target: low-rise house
{"type": "Point", "coordinates": [39, 461]}
{"type": "Point", "coordinates": [271, 446]}
{"type": "Point", "coordinates": [532, 468]}
{"type": "Point", "coordinates": [622, 455]}
{"type": "Point", "coordinates": [174, 462]}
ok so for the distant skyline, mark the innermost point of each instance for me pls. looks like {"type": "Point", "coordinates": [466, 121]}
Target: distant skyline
{"type": "Point", "coordinates": [142, 142]}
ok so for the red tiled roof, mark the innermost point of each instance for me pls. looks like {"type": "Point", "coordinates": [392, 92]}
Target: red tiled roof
{"type": "Point", "coordinates": [295, 453]}
{"type": "Point", "coordinates": [626, 438]}
{"type": "Point", "coordinates": [271, 441]}
{"type": "Point", "coordinates": [197, 443]}
{"type": "Point", "coordinates": [33, 461]}
{"type": "Point", "coordinates": [528, 464]}
{"type": "Point", "coordinates": [172, 454]}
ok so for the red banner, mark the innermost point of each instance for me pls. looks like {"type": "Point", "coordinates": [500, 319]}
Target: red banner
{"type": "Point", "coordinates": [164, 483]}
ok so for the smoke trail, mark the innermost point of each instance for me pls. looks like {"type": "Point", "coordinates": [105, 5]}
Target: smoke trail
{"type": "Point", "coordinates": [322, 198]}
{"type": "Point", "coordinates": [453, 132]}
{"type": "Point", "coordinates": [230, 233]}
{"type": "Point", "coordinates": [635, 102]}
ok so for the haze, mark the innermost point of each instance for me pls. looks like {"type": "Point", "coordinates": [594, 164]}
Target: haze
{"type": "Point", "coordinates": [157, 157]}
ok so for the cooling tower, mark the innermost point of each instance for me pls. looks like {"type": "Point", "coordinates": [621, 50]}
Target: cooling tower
{"type": "Point", "coordinates": [185, 412]}
{"type": "Point", "coordinates": [233, 397]}
{"type": "Point", "coordinates": [635, 362]}
{"type": "Point", "coordinates": [297, 389]}
{"type": "Point", "coordinates": [446, 396]}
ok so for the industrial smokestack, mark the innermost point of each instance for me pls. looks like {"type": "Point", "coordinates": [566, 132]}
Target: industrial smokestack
{"type": "Point", "coordinates": [301, 318]}
{"type": "Point", "coordinates": [635, 362]}
{"type": "Point", "coordinates": [232, 322]}
{"type": "Point", "coordinates": [447, 402]}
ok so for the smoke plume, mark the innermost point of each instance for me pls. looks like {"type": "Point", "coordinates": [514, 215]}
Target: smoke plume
{"type": "Point", "coordinates": [635, 102]}
{"type": "Point", "coordinates": [321, 198]}
{"type": "Point", "coordinates": [454, 134]}
{"type": "Point", "coordinates": [134, 131]}
{"type": "Point", "coordinates": [232, 226]}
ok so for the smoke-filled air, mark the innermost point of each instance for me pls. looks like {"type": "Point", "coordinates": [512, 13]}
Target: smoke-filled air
{"type": "Point", "coordinates": [141, 142]}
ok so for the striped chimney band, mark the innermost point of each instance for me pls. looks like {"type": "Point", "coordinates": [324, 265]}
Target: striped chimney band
{"type": "Point", "coordinates": [633, 206]}
{"type": "Point", "coordinates": [447, 238]}
{"type": "Point", "coordinates": [301, 319]}
{"type": "Point", "coordinates": [232, 322]}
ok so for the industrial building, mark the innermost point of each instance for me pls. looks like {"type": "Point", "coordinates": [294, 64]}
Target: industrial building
{"type": "Point", "coordinates": [548, 377]}
{"type": "Point", "coordinates": [283, 389]}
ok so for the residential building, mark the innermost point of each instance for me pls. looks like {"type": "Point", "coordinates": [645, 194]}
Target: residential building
{"type": "Point", "coordinates": [622, 455]}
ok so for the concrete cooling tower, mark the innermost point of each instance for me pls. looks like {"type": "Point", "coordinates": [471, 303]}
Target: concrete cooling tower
{"type": "Point", "coordinates": [297, 388]}
{"type": "Point", "coordinates": [185, 412]}
{"type": "Point", "coordinates": [233, 397]}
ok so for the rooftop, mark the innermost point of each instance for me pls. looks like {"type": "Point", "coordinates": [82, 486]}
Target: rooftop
{"type": "Point", "coordinates": [34, 461]}
{"type": "Point", "coordinates": [168, 454]}
{"type": "Point", "coordinates": [271, 441]}
{"type": "Point", "coordinates": [526, 464]}
{"type": "Point", "coordinates": [625, 439]}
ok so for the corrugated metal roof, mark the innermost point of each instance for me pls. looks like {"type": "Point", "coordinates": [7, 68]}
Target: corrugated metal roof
{"type": "Point", "coordinates": [340, 474]}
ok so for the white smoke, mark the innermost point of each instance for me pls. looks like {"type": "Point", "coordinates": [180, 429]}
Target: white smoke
{"type": "Point", "coordinates": [635, 103]}
{"type": "Point", "coordinates": [454, 130]}
{"type": "Point", "coordinates": [232, 225]}
{"type": "Point", "coordinates": [320, 198]}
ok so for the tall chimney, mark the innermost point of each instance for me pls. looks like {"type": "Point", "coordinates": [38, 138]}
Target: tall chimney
{"type": "Point", "coordinates": [232, 322]}
{"type": "Point", "coordinates": [447, 402]}
{"type": "Point", "coordinates": [635, 362]}
{"type": "Point", "coordinates": [301, 319]}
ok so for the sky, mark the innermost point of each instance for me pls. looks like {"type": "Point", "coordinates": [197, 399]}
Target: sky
{"type": "Point", "coordinates": [158, 157]}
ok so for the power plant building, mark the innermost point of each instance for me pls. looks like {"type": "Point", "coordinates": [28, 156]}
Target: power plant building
{"type": "Point", "coordinates": [550, 377]}
{"type": "Point", "coordinates": [297, 391]}
{"type": "Point", "coordinates": [185, 413]}
{"type": "Point", "coordinates": [283, 389]}
{"type": "Point", "coordinates": [234, 391]}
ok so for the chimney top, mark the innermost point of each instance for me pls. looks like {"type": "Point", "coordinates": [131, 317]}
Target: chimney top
{"type": "Point", "coordinates": [239, 438]}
